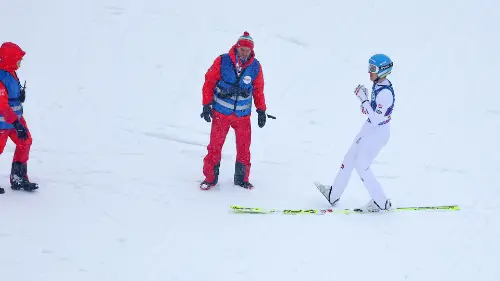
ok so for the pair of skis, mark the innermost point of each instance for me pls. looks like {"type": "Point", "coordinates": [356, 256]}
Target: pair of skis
{"type": "Point", "coordinates": [258, 210]}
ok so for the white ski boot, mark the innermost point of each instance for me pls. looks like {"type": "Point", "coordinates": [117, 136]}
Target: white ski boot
{"type": "Point", "coordinates": [326, 190]}
{"type": "Point", "coordinates": [373, 207]}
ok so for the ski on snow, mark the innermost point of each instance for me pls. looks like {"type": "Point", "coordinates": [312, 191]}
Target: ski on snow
{"type": "Point", "coordinates": [323, 189]}
{"type": "Point", "coordinates": [257, 210]}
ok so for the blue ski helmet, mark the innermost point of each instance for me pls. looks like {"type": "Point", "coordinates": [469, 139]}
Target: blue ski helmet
{"type": "Point", "coordinates": [380, 64]}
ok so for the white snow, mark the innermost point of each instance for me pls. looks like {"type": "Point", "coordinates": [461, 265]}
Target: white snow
{"type": "Point", "coordinates": [113, 104]}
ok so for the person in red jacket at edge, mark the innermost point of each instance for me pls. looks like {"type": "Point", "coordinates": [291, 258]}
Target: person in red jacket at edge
{"type": "Point", "coordinates": [234, 80]}
{"type": "Point", "coordinates": [12, 123]}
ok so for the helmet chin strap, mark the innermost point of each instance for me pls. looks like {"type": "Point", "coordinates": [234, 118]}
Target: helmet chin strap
{"type": "Point", "coordinates": [378, 78]}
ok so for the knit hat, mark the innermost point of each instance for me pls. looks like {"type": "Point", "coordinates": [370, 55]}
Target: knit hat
{"type": "Point", "coordinates": [245, 40]}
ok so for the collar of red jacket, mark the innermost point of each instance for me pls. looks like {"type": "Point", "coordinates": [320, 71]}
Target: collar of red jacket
{"type": "Point", "coordinates": [10, 54]}
{"type": "Point", "coordinates": [232, 55]}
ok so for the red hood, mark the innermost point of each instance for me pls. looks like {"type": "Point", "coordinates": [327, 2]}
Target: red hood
{"type": "Point", "coordinates": [232, 55]}
{"type": "Point", "coordinates": [10, 54]}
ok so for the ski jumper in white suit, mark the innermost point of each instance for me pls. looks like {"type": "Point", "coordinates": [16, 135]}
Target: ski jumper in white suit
{"type": "Point", "coordinates": [373, 136]}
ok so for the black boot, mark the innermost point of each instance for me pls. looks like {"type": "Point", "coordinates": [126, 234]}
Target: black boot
{"type": "Point", "coordinates": [205, 185]}
{"type": "Point", "coordinates": [2, 191]}
{"type": "Point", "coordinates": [19, 178]}
{"type": "Point", "coordinates": [239, 176]}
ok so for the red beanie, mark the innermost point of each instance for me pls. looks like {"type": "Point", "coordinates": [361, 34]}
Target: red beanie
{"type": "Point", "coordinates": [245, 41]}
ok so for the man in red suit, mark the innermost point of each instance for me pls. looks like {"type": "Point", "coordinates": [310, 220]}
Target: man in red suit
{"type": "Point", "coordinates": [233, 82]}
{"type": "Point", "coordinates": [12, 123]}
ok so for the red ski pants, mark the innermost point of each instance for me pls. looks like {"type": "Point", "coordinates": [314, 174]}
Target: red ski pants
{"type": "Point", "coordinates": [220, 128]}
{"type": "Point", "coordinates": [21, 154]}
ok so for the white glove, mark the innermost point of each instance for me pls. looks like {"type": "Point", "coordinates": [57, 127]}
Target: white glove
{"type": "Point", "coordinates": [362, 93]}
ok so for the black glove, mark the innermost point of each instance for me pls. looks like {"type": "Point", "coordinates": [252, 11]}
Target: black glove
{"type": "Point", "coordinates": [261, 118]}
{"type": "Point", "coordinates": [207, 113]}
{"type": "Point", "coordinates": [21, 131]}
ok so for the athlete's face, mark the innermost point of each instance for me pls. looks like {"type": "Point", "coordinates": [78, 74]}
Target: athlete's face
{"type": "Point", "coordinates": [244, 52]}
{"type": "Point", "coordinates": [373, 76]}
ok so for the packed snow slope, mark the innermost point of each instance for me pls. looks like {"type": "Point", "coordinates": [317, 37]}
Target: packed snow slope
{"type": "Point", "coordinates": [114, 102]}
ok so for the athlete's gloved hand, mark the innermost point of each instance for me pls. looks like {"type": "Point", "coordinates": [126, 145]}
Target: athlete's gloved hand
{"type": "Point", "coordinates": [362, 93]}
{"type": "Point", "coordinates": [207, 113]}
{"type": "Point", "coordinates": [21, 131]}
{"type": "Point", "coordinates": [261, 120]}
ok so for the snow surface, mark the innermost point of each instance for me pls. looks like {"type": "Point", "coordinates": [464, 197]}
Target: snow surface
{"type": "Point", "coordinates": [113, 103]}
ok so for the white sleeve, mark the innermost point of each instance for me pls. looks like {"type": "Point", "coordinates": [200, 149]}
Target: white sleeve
{"type": "Point", "coordinates": [384, 101]}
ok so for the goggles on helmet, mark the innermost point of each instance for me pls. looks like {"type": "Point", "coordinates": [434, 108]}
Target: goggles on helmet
{"type": "Point", "coordinates": [375, 69]}
{"type": "Point", "coordinates": [372, 68]}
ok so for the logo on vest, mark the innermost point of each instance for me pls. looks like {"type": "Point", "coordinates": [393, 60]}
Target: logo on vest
{"type": "Point", "coordinates": [247, 79]}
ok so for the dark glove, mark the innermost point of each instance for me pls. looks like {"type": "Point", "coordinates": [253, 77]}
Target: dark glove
{"type": "Point", "coordinates": [207, 113]}
{"type": "Point", "coordinates": [21, 131]}
{"type": "Point", "coordinates": [261, 118]}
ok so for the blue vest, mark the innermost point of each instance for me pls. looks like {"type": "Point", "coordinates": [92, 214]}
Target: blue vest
{"type": "Point", "coordinates": [233, 93]}
{"type": "Point", "coordinates": [373, 102]}
{"type": "Point", "coordinates": [14, 92]}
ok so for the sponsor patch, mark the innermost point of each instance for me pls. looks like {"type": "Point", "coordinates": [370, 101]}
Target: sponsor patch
{"type": "Point", "coordinates": [379, 112]}
{"type": "Point", "coordinates": [247, 79]}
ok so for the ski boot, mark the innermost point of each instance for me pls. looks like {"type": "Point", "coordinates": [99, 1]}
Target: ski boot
{"type": "Point", "coordinates": [2, 191]}
{"type": "Point", "coordinates": [326, 190]}
{"type": "Point", "coordinates": [19, 178]}
{"type": "Point", "coordinates": [373, 207]}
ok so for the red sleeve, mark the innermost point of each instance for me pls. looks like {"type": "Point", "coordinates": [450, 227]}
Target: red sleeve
{"type": "Point", "coordinates": [211, 78]}
{"type": "Point", "coordinates": [8, 114]}
{"type": "Point", "coordinates": [258, 91]}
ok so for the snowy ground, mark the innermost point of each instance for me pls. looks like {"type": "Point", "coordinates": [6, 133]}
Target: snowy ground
{"type": "Point", "coordinates": [113, 103]}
